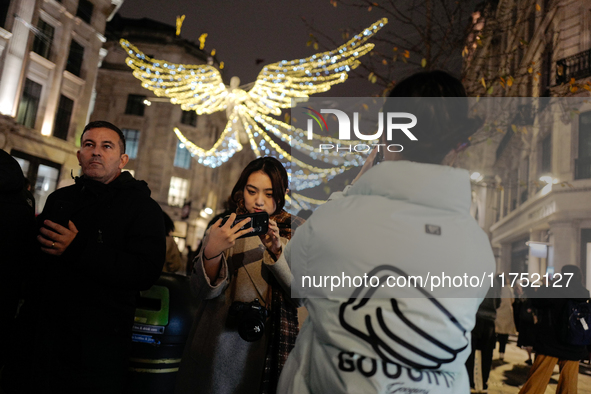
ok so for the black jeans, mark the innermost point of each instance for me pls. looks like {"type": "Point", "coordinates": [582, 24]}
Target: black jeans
{"type": "Point", "coordinates": [502, 339]}
{"type": "Point", "coordinates": [483, 339]}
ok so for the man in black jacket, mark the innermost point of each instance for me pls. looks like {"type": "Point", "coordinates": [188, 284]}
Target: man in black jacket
{"type": "Point", "coordinates": [102, 240]}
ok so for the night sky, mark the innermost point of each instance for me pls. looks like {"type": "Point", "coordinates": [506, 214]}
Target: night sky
{"type": "Point", "coordinates": [243, 31]}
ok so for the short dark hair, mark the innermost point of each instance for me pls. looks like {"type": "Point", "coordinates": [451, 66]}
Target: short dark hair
{"type": "Point", "coordinates": [168, 223]}
{"type": "Point", "coordinates": [576, 272]}
{"type": "Point", "coordinates": [443, 124]}
{"type": "Point", "coordinates": [99, 124]}
{"type": "Point", "coordinates": [276, 172]}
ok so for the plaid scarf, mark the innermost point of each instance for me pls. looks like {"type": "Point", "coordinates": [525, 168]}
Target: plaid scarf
{"type": "Point", "coordinates": [283, 326]}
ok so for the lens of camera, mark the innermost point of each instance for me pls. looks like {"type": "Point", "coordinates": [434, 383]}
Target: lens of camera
{"type": "Point", "coordinates": [250, 318]}
{"type": "Point", "coordinates": [251, 328]}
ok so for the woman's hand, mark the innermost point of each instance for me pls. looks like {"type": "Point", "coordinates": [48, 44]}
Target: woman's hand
{"type": "Point", "coordinates": [271, 239]}
{"type": "Point", "coordinates": [224, 237]}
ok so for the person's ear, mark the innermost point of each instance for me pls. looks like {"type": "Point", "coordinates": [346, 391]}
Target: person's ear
{"type": "Point", "coordinates": [123, 161]}
{"type": "Point", "coordinates": [78, 156]}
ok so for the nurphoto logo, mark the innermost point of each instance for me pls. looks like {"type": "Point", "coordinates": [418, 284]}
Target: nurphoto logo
{"type": "Point", "coordinates": [392, 123]}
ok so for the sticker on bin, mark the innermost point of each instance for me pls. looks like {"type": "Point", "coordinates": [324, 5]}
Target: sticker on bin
{"type": "Point", "coordinates": [144, 339]}
{"type": "Point", "coordinates": [147, 328]}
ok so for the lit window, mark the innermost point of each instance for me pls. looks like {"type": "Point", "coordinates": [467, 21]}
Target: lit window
{"type": "Point", "coordinates": [178, 192]}
{"type": "Point", "coordinates": [182, 158]}
{"type": "Point", "coordinates": [27, 108]}
{"type": "Point", "coordinates": [132, 138]}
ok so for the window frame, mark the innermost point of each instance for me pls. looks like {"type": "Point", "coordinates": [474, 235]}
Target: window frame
{"type": "Point", "coordinates": [135, 105]}
{"type": "Point", "coordinates": [182, 156]}
{"type": "Point", "coordinates": [27, 95]}
{"type": "Point", "coordinates": [40, 47]}
{"type": "Point", "coordinates": [546, 154]}
{"type": "Point", "coordinates": [132, 144]}
{"type": "Point", "coordinates": [74, 63]}
{"type": "Point", "coordinates": [189, 118]}
{"type": "Point", "coordinates": [60, 117]}
{"type": "Point", "coordinates": [182, 185]}
{"type": "Point", "coordinates": [85, 14]}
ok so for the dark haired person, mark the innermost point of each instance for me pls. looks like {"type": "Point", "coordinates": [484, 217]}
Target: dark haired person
{"type": "Point", "coordinates": [17, 240]}
{"type": "Point", "coordinates": [409, 215]}
{"type": "Point", "coordinates": [229, 270]}
{"type": "Point", "coordinates": [550, 345]}
{"type": "Point", "coordinates": [101, 241]}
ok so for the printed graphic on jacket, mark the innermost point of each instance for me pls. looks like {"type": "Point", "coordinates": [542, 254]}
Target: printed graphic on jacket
{"type": "Point", "coordinates": [396, 337]}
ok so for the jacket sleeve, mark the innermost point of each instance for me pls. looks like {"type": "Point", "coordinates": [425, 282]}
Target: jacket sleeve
{"type": "Point", "coordinates": [139, 263]}
{"type": "Point", "coordinates": [281, 271]}
{"type": "Point", "coordinates": [203, 288]}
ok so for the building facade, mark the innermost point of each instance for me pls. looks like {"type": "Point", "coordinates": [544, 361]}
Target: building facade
{"type": "Point", "coordinates": [156, 154]}
{"type": "Point", "coordinates": [50, 52]}
{"type": "Point", "coordinates": [533, 187]}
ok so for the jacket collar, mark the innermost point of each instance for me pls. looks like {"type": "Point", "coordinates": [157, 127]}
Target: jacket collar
{"type": "Point", "coordinates": [431, 185]}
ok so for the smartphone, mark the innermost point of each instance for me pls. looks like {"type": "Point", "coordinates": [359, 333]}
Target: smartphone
{"type": "Point", "coordinates": [258, 220]}
{"type": "Point", "coordinates": [61, 214]}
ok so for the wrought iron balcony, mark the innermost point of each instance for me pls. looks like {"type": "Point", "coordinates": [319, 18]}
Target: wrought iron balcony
{"type": "Point", "coordinates": [576, 66]}
{"type": "Point", "coordinates": [583, 168]}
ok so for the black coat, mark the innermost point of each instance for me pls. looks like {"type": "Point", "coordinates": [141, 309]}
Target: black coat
{"type": "Point", "coordinates": [82, 303]}
{"type": "Point", "coordinates": [17, 240]}
{"type": "Point", "coordinates": [551, 316]}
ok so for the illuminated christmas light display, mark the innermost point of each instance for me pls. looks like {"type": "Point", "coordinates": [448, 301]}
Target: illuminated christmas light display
{"type": "Point", "coordinates": [200, 88]}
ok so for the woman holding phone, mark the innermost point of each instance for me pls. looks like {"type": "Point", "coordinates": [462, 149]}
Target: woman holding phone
{"type": "Point", "coordinates": [246, 322]}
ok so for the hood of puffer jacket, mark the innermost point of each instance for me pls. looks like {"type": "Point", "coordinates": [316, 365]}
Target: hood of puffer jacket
{"type": "Point", "coordinates": [415, 183]}
{"type": "Point", "coordinates": [123, 181]}
{"type": "Point", "coordinates": [12, 179]}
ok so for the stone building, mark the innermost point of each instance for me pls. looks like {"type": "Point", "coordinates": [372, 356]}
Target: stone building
{"type": "Point", "coordinates": [50, 52]}
{"type": "Point", "coordinates": [532, 180]}
{"type": "Point", "coordinates": [156, 154]}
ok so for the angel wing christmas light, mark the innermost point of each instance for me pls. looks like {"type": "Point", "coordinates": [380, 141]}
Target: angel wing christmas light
{"type": "Point", "coordinates": [200, 88]}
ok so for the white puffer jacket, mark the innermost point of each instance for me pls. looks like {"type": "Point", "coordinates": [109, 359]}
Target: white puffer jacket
{"type": "Point", "coordinates": [400, 218]}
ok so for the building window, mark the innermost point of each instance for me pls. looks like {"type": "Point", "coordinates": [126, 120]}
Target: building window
{"type": "Point", "coordinates": [43, 39]}
{"type": "Point", "coordinates": [75, 57]}
{"type": "Point", "coordinates": [178, 192]}
{"type": "Point", "coordinates": [135, 105]}
{"type": "Point", "coordinates": [4, 5]}
{"type": "Point", "coordinates": [189, 118]}
{"type": "Point", "coordinates": [132, 138]}
{"type": "Point", "coordinates": [546, 77]}
{"type": "Point", "coordinates": [524, 182]}
{"type": "Point", "coordinates": [43, 175]}
{"type": "Point", "coordinates": [583, 162]}
{"type": "Point", "coordinates": [27, 108]}
{"type": "Point", "coordinates": [84, 11]}
{"type": "Point", "coordinates": [62, 118]}
{"type": "Point", "coordinates": [182, 158]}
{"type": "Point", "coordinates": [546, 162]}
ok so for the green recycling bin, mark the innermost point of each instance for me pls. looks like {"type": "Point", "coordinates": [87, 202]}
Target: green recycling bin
{"type": "Point", "coordinates": [163, 318]}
